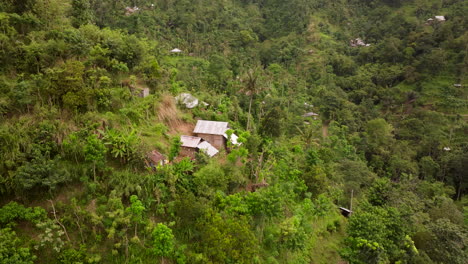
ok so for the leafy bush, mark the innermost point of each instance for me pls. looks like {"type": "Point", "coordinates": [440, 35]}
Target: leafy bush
{"type": "Point", "coordinates": [10, 250]}
{"type": "Point", "coordinates": [13, 211]}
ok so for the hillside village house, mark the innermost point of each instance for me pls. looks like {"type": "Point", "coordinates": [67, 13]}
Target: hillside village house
{"type": "Point", "coordinates": [191, 145]}
{"type": "Point", "coordinates": [207, 148]}
{"type": "Point", "coordinates": [212, 131]}
{"type": "Point", "coordinates": [311, 114]}
{"type": "Point", "coordinates": [154, 159]}
{"type": "Point", "coordinates": [175, 51]}
{"type": "Point", "coordinates": [215, 133]}
{"type": "Point", "coordinates": [434, 19]}
{"type": "Point", "coordinates": [210, 137]}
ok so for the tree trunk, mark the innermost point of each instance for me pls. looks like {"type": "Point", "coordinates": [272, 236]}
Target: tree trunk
{"type": "Point", "coordinates": [58, 222]}
{"type": "Point", "coordinates": [259, 166]}
{"type": "Point", "coordinates": [94, 171]}
{"type": "Point", "coordinates": [126, 245]}
{"type": "Point", "coordinates": [250, 108]}
{"type": "Point", "coordinates": [79, 226]}
{"type": "Point", "coordinates": [459, 189]}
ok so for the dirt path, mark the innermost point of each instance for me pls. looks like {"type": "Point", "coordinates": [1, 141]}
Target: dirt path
{"type": "Point", "coordinates": [325, 125]}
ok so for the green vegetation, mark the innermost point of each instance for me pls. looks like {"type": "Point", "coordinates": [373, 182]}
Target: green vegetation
{"type": "Point", "coordinates": [380, 129]}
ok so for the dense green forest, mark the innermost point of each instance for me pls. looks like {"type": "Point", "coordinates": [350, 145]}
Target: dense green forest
{"type": "Point", "coordinates": [359, 104]}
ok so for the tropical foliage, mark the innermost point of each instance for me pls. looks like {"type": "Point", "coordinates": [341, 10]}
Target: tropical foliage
{"type": "Point", "coordinates": [354, 104]}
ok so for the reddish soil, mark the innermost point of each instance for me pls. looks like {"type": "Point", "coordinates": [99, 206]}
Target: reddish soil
{"type": "Point", "coordinates": [168, 113]}
{"type": "Point", "coordinates": [182, 128]}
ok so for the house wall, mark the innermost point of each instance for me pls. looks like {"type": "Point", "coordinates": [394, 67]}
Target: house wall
{"type": "Point", "coordinates": [217, 141]}
{"type": "Point", "coordinates": [187, 152]}
{"type": "Point", "coordinates": [144, 93]}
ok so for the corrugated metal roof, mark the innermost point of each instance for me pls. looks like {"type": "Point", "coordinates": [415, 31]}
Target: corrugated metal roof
{"type": "Point", "coordinates": [189, 141]}
{"type": "Point", "coordinates": [345, 209]}
{"type": "Point", "coordinates": [187, 99]}
{"type": "Point", "coordinates": [208, 148]}
{"type": "Point", "coordinates": [234, 138]}
{"type": "Point", "coordinates": [211, 127]}
{"type": "Point", "coordinates": [310, 114]}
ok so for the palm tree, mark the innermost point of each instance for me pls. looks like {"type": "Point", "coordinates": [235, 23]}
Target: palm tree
{"type": "Point", "coordinates": [254, 84]}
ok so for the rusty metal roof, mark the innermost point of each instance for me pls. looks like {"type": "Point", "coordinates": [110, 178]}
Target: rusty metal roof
{"type": "Point", "coordinates": [208, 148]}
{"type": "Point", "coordinates": [211, 127]}
{"type": "Point", "coordinates": [155, 156]}
{"type": "Point", "coordinates": [189, 141]}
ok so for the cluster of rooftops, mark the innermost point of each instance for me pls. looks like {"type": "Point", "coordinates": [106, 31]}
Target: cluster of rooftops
{"type": "Point", "coordinates": [210, 136]}
{"type": "Point", "coordinates": [358, 42]}
{"type": "Point", "coordinates": [436, 18]}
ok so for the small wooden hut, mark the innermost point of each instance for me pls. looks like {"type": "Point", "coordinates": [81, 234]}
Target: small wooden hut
{"type": "Point", "coordinates": [212, 131]}
{"type": "Point", "coordinates": [189, 146]}
{"type": "Point", "coordinates": [154, 159]}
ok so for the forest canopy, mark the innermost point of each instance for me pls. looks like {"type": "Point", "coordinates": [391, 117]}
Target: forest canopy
{"type": "Point", "coordinates": [344, 131]}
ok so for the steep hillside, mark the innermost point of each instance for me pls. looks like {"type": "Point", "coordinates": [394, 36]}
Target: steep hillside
{"type": "Point", "coordinates": [337, 131]}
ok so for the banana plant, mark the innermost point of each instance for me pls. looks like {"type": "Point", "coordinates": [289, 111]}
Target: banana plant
{"type": "Point", "coordinates": [122, 146]}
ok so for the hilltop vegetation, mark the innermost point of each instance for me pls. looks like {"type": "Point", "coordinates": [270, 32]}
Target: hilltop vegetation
{"type": "Point", "coordinates": [390, 138]}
